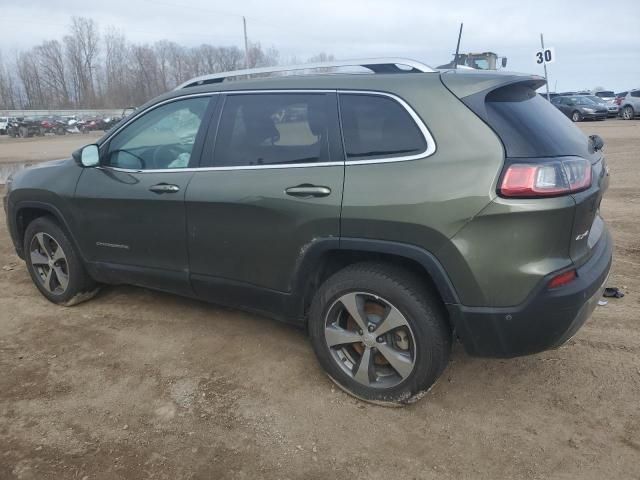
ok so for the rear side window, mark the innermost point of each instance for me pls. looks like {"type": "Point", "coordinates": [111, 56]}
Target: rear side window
{"type": "Point", "coordinates": [636, 93]}
{"type": "Point", "coordinates": [268, 129]}
{"type": "Point", "coordinates": [529, 126]}
{"type": "Point", "coordinates": [376, 126]}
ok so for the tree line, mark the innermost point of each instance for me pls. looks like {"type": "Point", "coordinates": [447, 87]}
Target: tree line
{"type": "Point", "coordinates": [87, 69]}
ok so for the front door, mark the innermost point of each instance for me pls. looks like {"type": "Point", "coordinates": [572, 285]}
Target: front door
{"type": "Point", "coordinates": [273, 188]}
{"type": "Point", "coordinates": [131, 209]}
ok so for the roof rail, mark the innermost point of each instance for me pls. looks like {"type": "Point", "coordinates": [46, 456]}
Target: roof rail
{"type": "Point", "coordinates": [376, 65]}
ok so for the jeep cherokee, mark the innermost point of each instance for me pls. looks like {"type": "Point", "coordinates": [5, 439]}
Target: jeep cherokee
{"type": "Point", "coordinates": [386, 212]}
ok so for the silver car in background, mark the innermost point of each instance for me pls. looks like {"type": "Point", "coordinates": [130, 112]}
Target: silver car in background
{"type": "Point", "coordinates": [609, 97]}
{"type": "Point", "coordinates": [630, 105]}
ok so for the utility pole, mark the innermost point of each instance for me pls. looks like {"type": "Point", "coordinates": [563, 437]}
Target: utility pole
{"type": "Point", "coordinates": [246, 43]}
{"type": "Point", "coordinates": [546, 77]}
{"type": "Point", "coordinates": [455, 59]}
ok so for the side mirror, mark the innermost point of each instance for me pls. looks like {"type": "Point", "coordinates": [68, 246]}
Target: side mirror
{"type": "Point", "coordinates": [87, 156]}
{"type": "Point", "coordinates": [597, 142]}
{"type": "Point", "coordinates": [504, 62]}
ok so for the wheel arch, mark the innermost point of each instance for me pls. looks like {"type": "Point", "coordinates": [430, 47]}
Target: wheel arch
{"type": "Point", "coordinates": [323, 258]}
{"type": "Point", "coordinates": [27, 211]}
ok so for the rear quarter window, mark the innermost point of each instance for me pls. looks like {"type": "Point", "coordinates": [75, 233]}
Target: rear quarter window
{"type": "Point", "coordinates": [529, 126]}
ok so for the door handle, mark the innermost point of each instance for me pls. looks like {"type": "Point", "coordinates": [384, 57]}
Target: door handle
{"type": "Point", "coordinates": [306, 190]}
{"type": "Point", "coordinates": [164, 188]}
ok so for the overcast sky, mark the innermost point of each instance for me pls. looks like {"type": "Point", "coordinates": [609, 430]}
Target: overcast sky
{"type": "Point", "coordinates": [597, 42]}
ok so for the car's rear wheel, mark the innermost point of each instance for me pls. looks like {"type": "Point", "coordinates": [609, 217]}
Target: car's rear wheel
{"type": "Point", "coordinates": [379, 333]}
{"type": "Point", "coordinates": [54, 264]}
{"type": "Point", "coordinates": [575, 116]}
{"type": "Point", "coordinates": [628, 113]}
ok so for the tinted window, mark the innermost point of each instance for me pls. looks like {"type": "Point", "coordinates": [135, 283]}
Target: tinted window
{"type": "Point", "coordinates": [530, 126]}
{"type": "Point", "coordinates": [162, 138]}
{"type": "Point", "coordinates": [636, 93]}
{"type": "Point", "coordinates": [606, 93]}
{"type": "Point", "coordinates": [375, 126]}
{"type": "Point", "coordinates": [267, 129]}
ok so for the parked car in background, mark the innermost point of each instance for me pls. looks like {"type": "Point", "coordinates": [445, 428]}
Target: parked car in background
{"type": "Point", "coordinates": [345, 204]}
{"type": "Point", "coordinates": [619, 97]}
{"type": "Point", "coordinates": [580, 107]}
{"type": "Point", "coordinates": [4, 123]}
{"type": "Point", "coordinates": [606, 95]}
{"type": "Point", "coordinates": [630, 105]}
{"type": "Point", "coordinates": [610, 105]}
{"type": "Point", "coordinates": [26, 127]}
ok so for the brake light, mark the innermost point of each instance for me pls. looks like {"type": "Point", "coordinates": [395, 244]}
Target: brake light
{"type": "Point", "coordinates": [562, 279]}
{"type": "Point", "coordinates": [546, 179]}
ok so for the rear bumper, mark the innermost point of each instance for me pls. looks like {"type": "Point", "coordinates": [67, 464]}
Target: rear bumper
{"type": "Point", "coordinates": [546, 320]}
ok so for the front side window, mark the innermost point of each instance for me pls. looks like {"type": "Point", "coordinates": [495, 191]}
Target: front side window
{"type": "Point", "coordinates": [376, 126]}
{"type": "Point", "coordinates": [160, 139]}
{"type": "Point", "coordinates": [273, 128]}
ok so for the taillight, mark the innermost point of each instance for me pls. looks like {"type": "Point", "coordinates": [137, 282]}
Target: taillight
{"type": "Point", "coordinates": [546, 178]}
{"type": "Point", "coordinates": [562, 279]}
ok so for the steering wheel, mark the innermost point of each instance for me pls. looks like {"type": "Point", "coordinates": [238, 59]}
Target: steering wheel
{"type": "Point", "coordinates": [143, 164]}
{"type": "Point", "coordinates": [165, 154]}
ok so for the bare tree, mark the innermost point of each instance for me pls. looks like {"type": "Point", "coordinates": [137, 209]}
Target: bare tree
{"type": "Point", "coordinates": [85, 69]}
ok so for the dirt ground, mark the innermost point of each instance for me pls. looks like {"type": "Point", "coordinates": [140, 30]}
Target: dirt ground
{"type": "Point", "coordinates": [49, 147]}
{"type": "Point", "coordinates": [139, 384]}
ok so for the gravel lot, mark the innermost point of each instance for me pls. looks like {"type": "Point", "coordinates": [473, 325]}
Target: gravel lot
{"type": "Point", "coordinates": [139, 384]}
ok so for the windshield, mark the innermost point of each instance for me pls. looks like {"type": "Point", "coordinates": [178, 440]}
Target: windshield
{"type": "Point", "coordinates": [581, 101]}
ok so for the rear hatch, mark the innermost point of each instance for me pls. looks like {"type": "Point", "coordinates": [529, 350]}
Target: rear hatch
{"type": "Point", "coordinates": [534, 132]}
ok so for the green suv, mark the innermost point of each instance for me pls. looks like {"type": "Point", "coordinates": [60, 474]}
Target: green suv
{"type": "Point", "coordinates": [386, 212]}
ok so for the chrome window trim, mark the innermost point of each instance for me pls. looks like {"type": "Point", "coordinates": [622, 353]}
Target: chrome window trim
{"type": "Point", "coordinates": [431, 144]}
{"type": "Point", "coordinates": [428, 138]}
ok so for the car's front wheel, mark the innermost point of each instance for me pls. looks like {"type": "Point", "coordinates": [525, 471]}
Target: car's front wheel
{"type": "Point", "coordinates": [575, 116]}
{"type": "Point", "coordinates": [54, 264]}
{"type": "Point", "coordinates": [379, 333]}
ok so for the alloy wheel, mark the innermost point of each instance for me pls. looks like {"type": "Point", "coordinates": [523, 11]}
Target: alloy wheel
{"type": "Point", "coordinates": [627, 113]}
{"type": "Point", "coordinates": [49, 262]}
{"type": "Point", "coordinates": [370, 339]}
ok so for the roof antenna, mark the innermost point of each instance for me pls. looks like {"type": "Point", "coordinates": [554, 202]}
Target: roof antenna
{"type": "Point", "coordinates": [455, 60]}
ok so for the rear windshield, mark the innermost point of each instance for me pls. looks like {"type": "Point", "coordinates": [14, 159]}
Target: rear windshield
{"type": "Point", "coordinates": [529, 126]}
{"type": "Point", "coordinates": [605, 94]}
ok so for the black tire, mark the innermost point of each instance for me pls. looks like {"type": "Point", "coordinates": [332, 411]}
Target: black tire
{"type": "Point", "coordinates": [422, 310]}
{"type": "Point", "coordinates": [628, 113]}
{"type": "Point", "coordinates": [575, 116]}
{"type": "Point", "coordinates": [79, 285]}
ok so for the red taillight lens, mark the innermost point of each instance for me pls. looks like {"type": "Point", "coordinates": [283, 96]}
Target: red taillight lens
{"type": "Point", "coordinates": [562, 279]}
{"type": "Point", "coordinates": [546, 179]}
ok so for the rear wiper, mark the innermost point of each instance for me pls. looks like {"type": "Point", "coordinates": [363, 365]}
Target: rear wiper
{"type": "Point", "coordinates": [596, 142]}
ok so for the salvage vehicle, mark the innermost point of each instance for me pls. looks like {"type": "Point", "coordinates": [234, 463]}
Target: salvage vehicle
{"type": "Point", "coordinates": [580, 107]}
{"type": "Point", "coordinates": [26, 127]}
{"type": "Point", "coordinates": [344, 203]}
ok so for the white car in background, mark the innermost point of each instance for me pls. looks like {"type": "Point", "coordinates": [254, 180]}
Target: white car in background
{"type": "Point", "coordinates": [4, 123]}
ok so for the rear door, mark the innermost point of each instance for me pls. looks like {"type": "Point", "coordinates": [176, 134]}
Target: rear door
{"type": "Point", "coordinates": [271, 185]}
